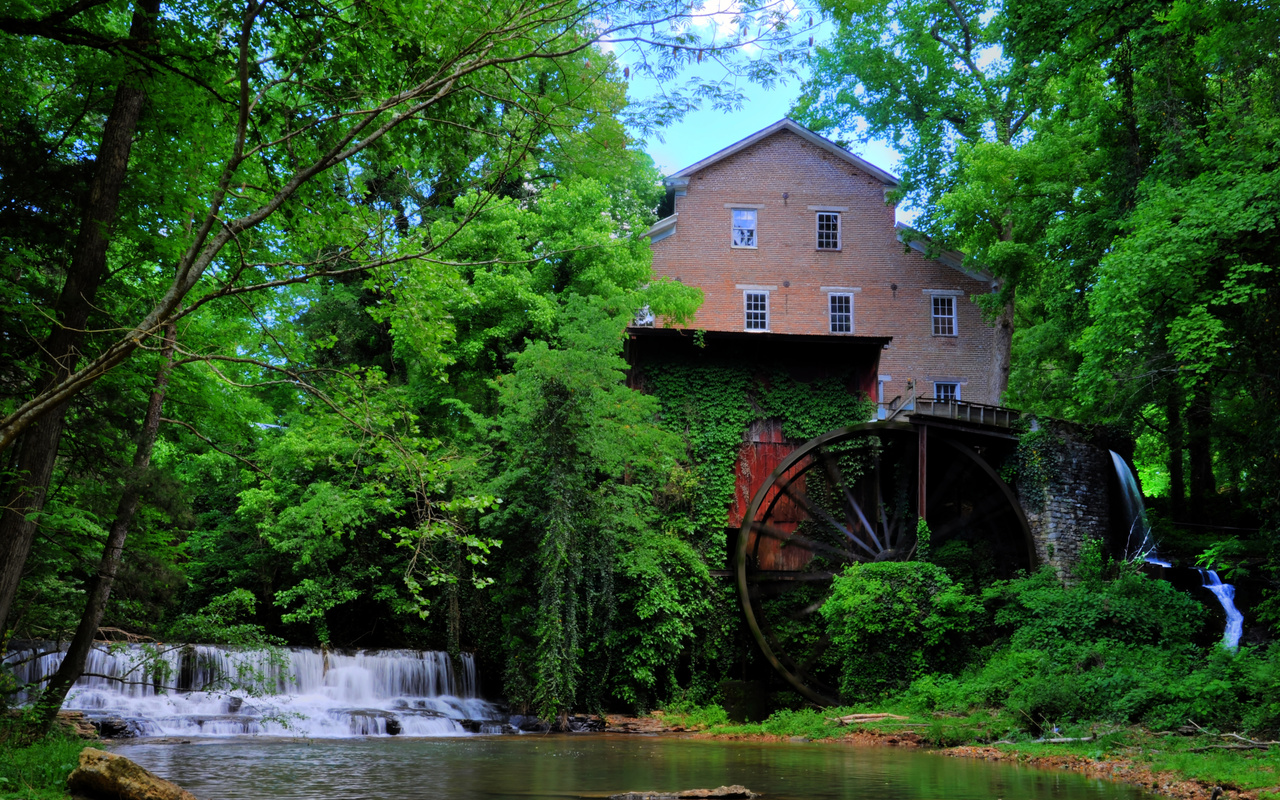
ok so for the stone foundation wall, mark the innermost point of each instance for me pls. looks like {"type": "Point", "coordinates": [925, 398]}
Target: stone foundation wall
{"type": "Point", "coordinates": [1072, 504]}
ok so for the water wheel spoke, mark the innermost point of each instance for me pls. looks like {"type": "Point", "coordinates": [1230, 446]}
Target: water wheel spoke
{"type": "Point", "coordinates": [787, 537]}
{"type": "Point", "coordinates": [816, 511]}
{"type": "Point", "coordinates": [837, 475]}
{"type": "Point", "coordinates": [884, 518]}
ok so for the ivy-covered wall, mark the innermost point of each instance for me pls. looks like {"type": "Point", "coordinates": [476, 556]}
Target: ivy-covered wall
{"type": "Point", "coordinates": [712, 402]}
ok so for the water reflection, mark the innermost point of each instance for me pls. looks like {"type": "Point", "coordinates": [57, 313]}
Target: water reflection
{"type": "Point", "coordinates": [585, 766]}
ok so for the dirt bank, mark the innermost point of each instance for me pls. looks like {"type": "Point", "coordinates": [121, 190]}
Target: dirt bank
{"type": "Point", "coordinates": [1114, 769]}
{"type": "Point", "coordinates": [1121, 770]}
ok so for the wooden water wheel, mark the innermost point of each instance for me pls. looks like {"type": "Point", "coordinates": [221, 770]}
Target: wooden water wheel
{"type": "Point", "coordinates": [853, 495]}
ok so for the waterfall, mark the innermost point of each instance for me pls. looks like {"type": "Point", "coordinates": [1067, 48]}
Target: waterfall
{"type": "Point", "coordinates": [1138, 546]}
{"type": "Point", "coordinates": [208, 690]}
{"type": "Point", "coordinates": [1226, 594]}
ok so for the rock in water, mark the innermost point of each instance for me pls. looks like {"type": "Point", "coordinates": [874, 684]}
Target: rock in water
{"type": "Point", "coordinates": [722, 793]}
{"type": "Point", "coordinates": [107, 776]}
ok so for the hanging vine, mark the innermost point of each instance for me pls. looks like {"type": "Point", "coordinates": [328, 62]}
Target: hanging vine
{"type": "Point", "coordinates": [712, 403]}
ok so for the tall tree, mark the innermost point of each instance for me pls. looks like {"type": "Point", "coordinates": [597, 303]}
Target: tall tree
{"type": "Point", "coordinates": [32, 466]}
{"type": "Point", "coordinates": [276, 123]}
{"type": "Point", "coordinates": [930, 78]}
{"type": "Point", "coordinates": [72, 665]}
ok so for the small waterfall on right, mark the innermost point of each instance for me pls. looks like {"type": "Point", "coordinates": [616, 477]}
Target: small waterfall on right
{"type": "Point", "coordinates": [1226, 594]}
{"type": "Point", "coordinates": [1140, 546]}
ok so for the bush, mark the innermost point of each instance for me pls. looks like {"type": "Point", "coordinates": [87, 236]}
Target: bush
{"type": "Point", "coordinates": [890, 623]}
{"type": "Point", "coordinates": [1114, 646]}
{"type": "Point", "coordinates": [1039, 612]}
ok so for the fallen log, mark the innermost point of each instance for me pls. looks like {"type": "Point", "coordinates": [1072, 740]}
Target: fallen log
{"type": "Point", "coordinates": [721, 793]}
{"type": "Point", "coordinates": [851, 719]}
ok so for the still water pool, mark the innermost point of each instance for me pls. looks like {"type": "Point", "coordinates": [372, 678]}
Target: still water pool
{"type": "Point", "coordinates": [533, 766]}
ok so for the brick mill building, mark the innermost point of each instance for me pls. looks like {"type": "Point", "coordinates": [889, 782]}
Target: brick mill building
{"type": "Point", "coordinates": [792, 242]}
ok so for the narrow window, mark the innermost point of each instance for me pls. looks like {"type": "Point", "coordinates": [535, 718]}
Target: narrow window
{"type": "Point", "coordinates": [744, 227]}
{"type": "Point", "coordinates": [946, 392]}
{"type": "Point", "coordinates": [841, 313]}
{"type": "Point", "coordinates": [944, 316]}
{"type": "Point", "coordinates": [757, 310]}
{"type": "Point", "coordinates": [828, 230]}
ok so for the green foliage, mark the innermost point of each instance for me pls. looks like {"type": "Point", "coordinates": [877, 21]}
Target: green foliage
{"type": "Point", "coordinates": [893, 622]}
{"type": "Point", "coordinates": [224, 620]}
{"type": "Point", "coordinates": [597, 584]}
{"type": "Point", "coordinates": [36, 770]}
{"type": "Point", "coordinates": [1113, 646]}
{"type": "Point", "coordinates": [1034, 462]}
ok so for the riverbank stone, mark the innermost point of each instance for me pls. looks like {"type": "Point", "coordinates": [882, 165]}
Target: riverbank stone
{"type": "Point", "coordinates": [107, 776]}
{"type": "Point", "coordinates": [113, 727]}
{"type": "Point", "coordinates": [719, 793]}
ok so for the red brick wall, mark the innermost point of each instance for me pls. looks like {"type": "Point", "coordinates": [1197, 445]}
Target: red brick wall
{"type": "Point", "coordinates": [871, 260]}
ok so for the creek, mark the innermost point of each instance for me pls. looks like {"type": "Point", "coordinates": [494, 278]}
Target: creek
{"type": "Point", "coordinates": [591, 765]}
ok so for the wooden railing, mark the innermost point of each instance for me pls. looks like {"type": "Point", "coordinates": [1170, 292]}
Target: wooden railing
{"type": "Point", "coordinates": [962, 411]}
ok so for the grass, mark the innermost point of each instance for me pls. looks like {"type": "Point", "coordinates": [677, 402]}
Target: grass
{"type": "Point", "coordinates": [1243, 770]}
{"type": "Point", "coordinates": [39, 770]}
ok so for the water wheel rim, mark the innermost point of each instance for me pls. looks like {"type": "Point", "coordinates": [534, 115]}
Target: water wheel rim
{"type": "Point", "coordinates": [790, 472]}
{"type": "Point", "coordinates": [744, 535]}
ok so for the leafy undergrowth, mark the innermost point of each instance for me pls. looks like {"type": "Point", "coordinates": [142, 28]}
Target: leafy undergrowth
{"type": "Point", "coordinates": [39, 770]}
{"type": "Point", "coordinates": [1243, 770]}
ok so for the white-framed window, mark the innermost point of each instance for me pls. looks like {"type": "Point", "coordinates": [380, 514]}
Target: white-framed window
{"type": "Point", "coordinates": [744, 227]}
{"type": "Point", "coordinates": [756, 307]}
{"type": "Point", "coordinates": [644, 318]}
{"type": "Point", "coordinates": [946, 391]}
{"type": "Point", "coordinates": [840, 308]}
{"type": "Point", "coordinates": [828, 230]}
{"type": "Point", "coordinates": [944, 315]}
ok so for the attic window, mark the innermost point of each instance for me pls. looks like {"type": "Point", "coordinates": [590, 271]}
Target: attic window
{"type": "Point", "coordinates": [828, 230]}
{"type": "Point", "coordinates": [744, 227]}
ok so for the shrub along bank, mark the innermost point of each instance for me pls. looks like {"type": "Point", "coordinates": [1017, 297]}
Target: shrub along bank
{"type": "Point", "coordinates": [1109, 658]}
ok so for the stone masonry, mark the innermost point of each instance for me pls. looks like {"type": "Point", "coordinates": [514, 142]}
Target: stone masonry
{"type": "Point", "coordinates": [1072, 505]}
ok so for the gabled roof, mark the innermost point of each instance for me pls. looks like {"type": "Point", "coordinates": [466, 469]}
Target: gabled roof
{"type": "Point", "coordinates": [922, 244]}
{"type": "Point", "coordinates": [785, 124]}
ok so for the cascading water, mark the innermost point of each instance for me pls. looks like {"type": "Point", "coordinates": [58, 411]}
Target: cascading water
{"type": "Point", "coordinates": [206, 690]}
{"type": "Point", "coordinates": [1226, 594]}
{"type": "Point", "coordinates": [1139, 545]}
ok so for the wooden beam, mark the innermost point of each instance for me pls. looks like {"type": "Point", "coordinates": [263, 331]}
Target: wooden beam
{"type": "Point", "coordinates": [922, 465]}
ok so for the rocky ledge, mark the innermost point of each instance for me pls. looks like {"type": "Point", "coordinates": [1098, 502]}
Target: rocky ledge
{"type": "Point", "coordinates": [107, 776]}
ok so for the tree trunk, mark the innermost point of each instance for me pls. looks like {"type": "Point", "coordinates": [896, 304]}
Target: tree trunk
{"type": "Point", "coordinates": [1200, 450]}
{"type": "Point", "coordinates": [100, 585]}
{"type": "Point", "coordinates": [1002, 352]}
{"type": "Point", "coordinates": [24, 493]}
{"type": "Point", "coordinates": [1174, 439]}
